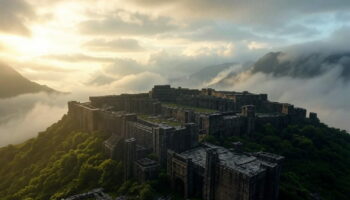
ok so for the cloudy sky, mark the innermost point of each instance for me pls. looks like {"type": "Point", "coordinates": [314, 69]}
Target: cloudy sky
{"type": "Point", "coordinates": [54, 41]}
{"type": "Point", "coordinates": [118, 46]}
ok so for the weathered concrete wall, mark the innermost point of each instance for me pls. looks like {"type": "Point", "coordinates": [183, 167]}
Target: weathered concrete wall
{"type": "Point", "coordinates": [132, 103]}
{"type": "Point", "coordinates": [182, 139]}
{"type": "Point", "coordinates": [231, 184]}
{"type": "Point", "coordinates": [146, 169]}
{"type": "Point", "coordinates": [142, 133]}
{"type": "Point", "coordinates": [86, 116]}
{"type": "Point", "coordinates": [181, 174]}
{"type": "Point", "coordinates": [180, 114]}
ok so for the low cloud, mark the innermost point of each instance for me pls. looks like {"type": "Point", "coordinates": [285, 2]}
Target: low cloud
{"type": "Point", "coordinates": [140, 82]}
{"type": "Point", "coordinates": [27, 126]}
{"type": "Point", "coordinates": [312, 75]}
{"type": "Point", "coordinates": [122, 67]}
{"type": "Point", "coordinates": [24, 116]}
{"type": "Point", "coordinates": [309, 59]}
{"type": "Point", "coordinates": [326, 94]}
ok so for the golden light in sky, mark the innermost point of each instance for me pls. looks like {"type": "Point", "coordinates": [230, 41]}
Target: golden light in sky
{"type": "Point", "coordinates": [112, 46]}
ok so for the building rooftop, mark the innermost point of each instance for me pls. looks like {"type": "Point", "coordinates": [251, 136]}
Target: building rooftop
{"type": "Point", "coordinates": [146, 162]}
{"type": "Point", "coordinates": [243, 163]}
{"type": "Point", "coordinates": [160, 121]}
{"type": "Point", "coordinates": [195, 109]}
{"type": "Point", "coordinates": [112, 141]}
{"type": "Point", "coordinates": [262, 115]}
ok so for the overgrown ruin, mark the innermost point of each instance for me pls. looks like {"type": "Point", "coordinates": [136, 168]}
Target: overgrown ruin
{"type": "Point", "coordinates": [168, 123]}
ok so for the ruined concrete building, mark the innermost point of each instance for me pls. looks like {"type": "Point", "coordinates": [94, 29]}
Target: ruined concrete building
{"type": "Point", "coordinates": [167, 124]}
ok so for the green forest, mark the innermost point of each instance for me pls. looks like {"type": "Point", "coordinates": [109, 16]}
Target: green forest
{"type": "Point", "coordinates": [63, 161]}
{"type": "Point", "coordinates": [317, 158]}
{"type": "Point", "coordinates": [60, 162]}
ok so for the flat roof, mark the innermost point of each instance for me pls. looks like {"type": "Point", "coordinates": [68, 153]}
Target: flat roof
{"type": "Point", "coordinates": [243, 163]}
{"type": "Point", "coordinates": [261, 115]}
{"type": "Point", "coordinates": [146, 162]}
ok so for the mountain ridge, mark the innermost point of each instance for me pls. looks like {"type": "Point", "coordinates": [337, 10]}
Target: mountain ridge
{"type": "Point", "coordinates": [12, 83]}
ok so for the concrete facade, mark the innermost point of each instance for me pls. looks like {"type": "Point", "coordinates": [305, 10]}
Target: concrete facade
{"type": "Point", "coordinates": [222, 174]}
{"type": "Point", "coordinates": [166, 123]}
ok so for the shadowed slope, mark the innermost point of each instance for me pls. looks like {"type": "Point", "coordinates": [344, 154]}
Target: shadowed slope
{"type": "Point", "coordinates": [13, 83]}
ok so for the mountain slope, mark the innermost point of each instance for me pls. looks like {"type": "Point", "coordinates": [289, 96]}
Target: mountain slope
{"type": "Point", "coordinates": [304, 65]}
{"type": "Point", "coordinates": [317, 159]}
{"type": "Point", "coordinates": [60, 162]}
{"type": "Point", "coordinates": [202, 77]}
{"type": "Point", "coordinates": [13, 83]}
{"type": "Point", "coordinates": [210, 72]}
{"type": "Point", "coordinates": [63, 161]}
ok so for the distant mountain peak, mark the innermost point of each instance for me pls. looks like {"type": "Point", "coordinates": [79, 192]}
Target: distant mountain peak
{"type": "Point", "coordinates": [13, 83]}
{"type": "Point", "coordinates": [306, 65]}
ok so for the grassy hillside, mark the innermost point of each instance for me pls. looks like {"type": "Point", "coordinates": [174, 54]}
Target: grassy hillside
{"type": "Point", "coordinates": [12, 83]}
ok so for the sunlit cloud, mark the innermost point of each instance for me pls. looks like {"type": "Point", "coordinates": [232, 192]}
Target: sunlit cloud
{"type": "Point", "coordinates": [117, 45]}
{"type": "Point", "coordinates": [15, 16]}
{"type": "Point", "coordinates": [103, 46]}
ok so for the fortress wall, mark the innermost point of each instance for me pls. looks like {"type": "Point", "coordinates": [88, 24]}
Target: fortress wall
{"type": "Point", "coordinates": [271, 107]}
{"type": "Point", "coordinates": [279, 121]}
{"type": "Point", "coordinates": [257, 187]}
{"type": "Point", "coordinates": [233, 127]}
{"type": "Point", "coordinates": [208, 102]}
{"type": "Point", "coordinates": [133, 103]}
{"type": "Point", "coordinates": [223, 101]}
{"type": "Point", "coordinates": [180, 114]}
{"type": "Point", "coordinates": [110, 123]}
{"type": "Point", "coordinates": [183, 139]}
{"type": "Point", "coordinates": [86, 116]}
{"type": "Point", "coordinates": [181, 174]}
{"type": "Point", "coordinates": [231, 184]}
{"type": "Point", "coordinates": [168, 94]}
{"type": "Point", "coordinates": [142, 134]}
{"type": "Point", "coordinates": [273, 167]}
{"type": "Point", "coordinates": [271, 182]}
{"type": "Point", "coordinates": [223, 125]}
{"type": "Point", "coordinates": [251, 99]}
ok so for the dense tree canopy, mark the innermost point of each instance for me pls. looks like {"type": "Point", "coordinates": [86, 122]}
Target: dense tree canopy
{"type": "Point", "coordinates": [317, 158]}
{"type": "Point", "coordinates": [63, 161]}
{"type": "Point", "coordinates": [59, 162]}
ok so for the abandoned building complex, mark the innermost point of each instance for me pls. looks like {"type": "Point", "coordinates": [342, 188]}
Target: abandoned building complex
{"type": "Point", "coordinates": [162, 129]}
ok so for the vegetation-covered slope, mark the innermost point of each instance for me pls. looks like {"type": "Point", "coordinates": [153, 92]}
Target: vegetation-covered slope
{"type": "Point", "coordinates": [317, 159]}
{"type": "Point", "coordinates": [12, 83]}
{"type": "Point", "coordinates": [63, 161]}
{"type": "Point", "coordinates": [60, 161]}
